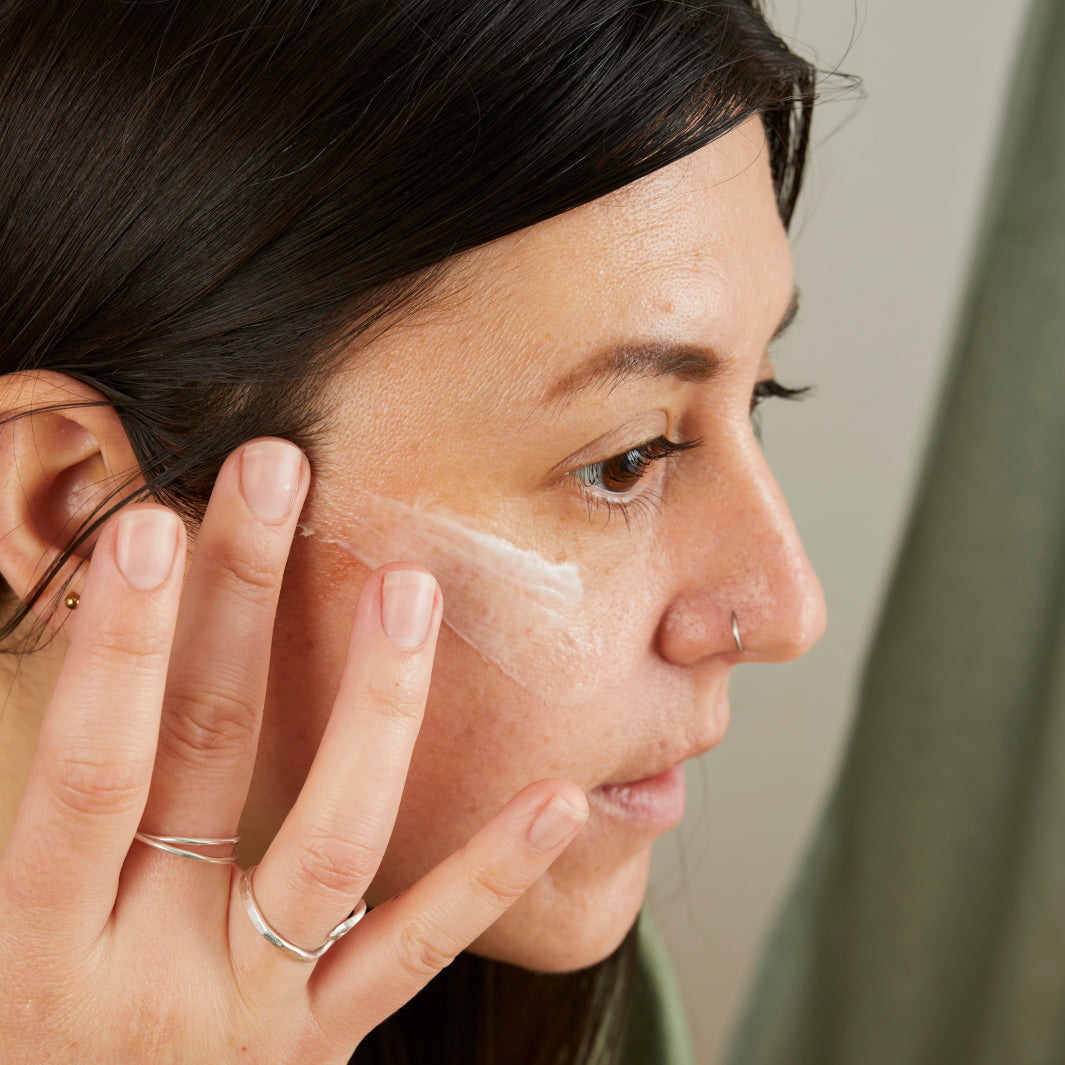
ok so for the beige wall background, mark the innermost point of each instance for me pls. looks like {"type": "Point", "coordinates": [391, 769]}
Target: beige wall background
{"type": "Point", "coordinates": [882, 245]}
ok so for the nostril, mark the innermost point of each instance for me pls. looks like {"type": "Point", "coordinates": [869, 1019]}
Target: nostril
{"type": "Point", "coordinates": [697, 625]}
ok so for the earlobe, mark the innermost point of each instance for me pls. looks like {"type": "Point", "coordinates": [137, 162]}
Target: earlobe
{"type": "Point", "coordinates": [63, 453]}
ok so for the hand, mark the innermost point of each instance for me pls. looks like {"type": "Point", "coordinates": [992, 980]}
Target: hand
{"type": "Point", "coordinates": [114, 951]}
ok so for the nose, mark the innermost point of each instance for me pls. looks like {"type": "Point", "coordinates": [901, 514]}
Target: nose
{"type": "Point", "coordinates": [738, 553]}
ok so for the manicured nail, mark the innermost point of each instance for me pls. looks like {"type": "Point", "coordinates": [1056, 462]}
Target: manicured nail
{"type": "Point", "coordinates": [556, 822]}
{"type": "Point", "coordinates": [407, 597]}
{"type": "Point", "coordinates": [145, 547]}
{"type": "Point", "coordinates": [270, 478]}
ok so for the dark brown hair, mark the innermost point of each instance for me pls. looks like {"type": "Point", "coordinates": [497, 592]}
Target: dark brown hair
{"type": "Point", "coordinates": [204, 202]}
{"type": "Point", "coordinates": [482, 1012]}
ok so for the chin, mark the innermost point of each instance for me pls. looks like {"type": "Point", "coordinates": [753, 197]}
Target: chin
{"type": "Point", "coordinates": [559, 926]}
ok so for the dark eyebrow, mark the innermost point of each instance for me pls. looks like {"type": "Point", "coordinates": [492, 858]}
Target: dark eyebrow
{"type": "Point", "coordinates": [687, 362]}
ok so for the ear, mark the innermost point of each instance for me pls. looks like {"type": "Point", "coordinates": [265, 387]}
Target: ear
{"type": "Point", "coordinates": [63, 452]}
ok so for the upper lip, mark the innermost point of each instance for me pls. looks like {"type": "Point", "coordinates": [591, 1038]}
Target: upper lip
{"type": "Point", "coordinates": [707, 738]}
{"type": "Point", "coordinates": [645, 774]}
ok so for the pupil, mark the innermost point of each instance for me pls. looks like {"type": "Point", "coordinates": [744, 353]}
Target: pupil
{"type": "Point", "coordinates": [623, 470]}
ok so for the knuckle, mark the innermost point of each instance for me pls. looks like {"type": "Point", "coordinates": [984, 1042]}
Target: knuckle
{"type": "Point", "coordinates": [400, 698]}
{"type": "Point", "coordinates": [152, 1023]}
{"type": "Point", "coordinates": [490, 886]}
{"type": "Point", "coordinates": [198, 729]}
{"type": "Point", "coordinates": [155, 1020]}
{"type": "Point", "coordinates": [423, 950]}
{"type": "Point", "coordinates": [336, 866]}
{"type": "Point", "coordinates": [137, 641]}
{"type": "Point", "coordinates": [249, 575]}
{"type": "Point", "coordinates": [88, 786]}
{"type": "Point", "coordinates": [31, 993]}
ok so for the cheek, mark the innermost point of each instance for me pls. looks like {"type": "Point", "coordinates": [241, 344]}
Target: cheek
{"type": "Point", "coordinates": [534, 695]}
{"type": "Point", "coordinates": [483, 739]}
{"type": "Point", "coordinates": [553, 632]}
{"type": "Point", "coordinates": [576, 715]}
{"type": "Point", "coordinates": [309, 648]}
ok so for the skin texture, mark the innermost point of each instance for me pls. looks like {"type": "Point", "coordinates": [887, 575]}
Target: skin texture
{"type": "Point", "coordinates": [449, 407]}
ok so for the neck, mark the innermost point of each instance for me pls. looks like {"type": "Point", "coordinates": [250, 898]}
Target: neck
{"type": "Point", "coordinates": [26, 683]}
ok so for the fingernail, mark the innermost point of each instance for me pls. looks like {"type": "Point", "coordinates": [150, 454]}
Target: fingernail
{"type": "Point", "coordinates": [270, 478]}
{"type": "Point", "coordinates": [556, 822]}
{"type": "Point", "coordinates": [407, 597]}
{"type": "Point", "coordinates": [145, 547]}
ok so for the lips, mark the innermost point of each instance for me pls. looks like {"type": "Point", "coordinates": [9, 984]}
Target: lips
{"type": "Point", "coordinates": [639, 775]}
{"type": "Point", "coordinates": [655, 802]}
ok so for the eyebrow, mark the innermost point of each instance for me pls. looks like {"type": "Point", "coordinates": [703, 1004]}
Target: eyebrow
{"type": "Point", "coordinates": [616, 364]}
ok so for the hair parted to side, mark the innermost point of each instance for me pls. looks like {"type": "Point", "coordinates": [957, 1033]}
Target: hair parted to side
{"type": "Point", "coordinates": [203, 204]}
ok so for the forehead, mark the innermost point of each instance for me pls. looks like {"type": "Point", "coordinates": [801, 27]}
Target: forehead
{"type": "Point", "coordinates": [694, 252]}
{"type": "Point", "coordinates": [702, 212]}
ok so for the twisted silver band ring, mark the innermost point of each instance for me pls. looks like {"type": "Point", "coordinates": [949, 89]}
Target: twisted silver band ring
{"type": "Point", "coordinates": [179, 845]}
{"type": "Point", "coordinates": [271, 935]}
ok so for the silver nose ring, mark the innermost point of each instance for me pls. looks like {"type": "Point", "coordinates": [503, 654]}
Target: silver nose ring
{"type": "Point", "coordinates": [736, 633]}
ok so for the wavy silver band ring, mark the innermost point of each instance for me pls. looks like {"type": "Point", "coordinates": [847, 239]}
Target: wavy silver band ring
{"type": "Point", "coordinates": [736, 633]}
{"type": "Point", "coordinates": [271, 934]}
{"type": "Point", "coordinates": [179, 845]}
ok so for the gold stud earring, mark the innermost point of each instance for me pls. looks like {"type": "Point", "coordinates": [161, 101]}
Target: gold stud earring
{"type": "Point", "coordinates": [72, 600]}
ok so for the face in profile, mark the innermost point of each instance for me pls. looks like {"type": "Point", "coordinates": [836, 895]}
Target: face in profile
{"type": "Point", "coordinates": [578, 401]}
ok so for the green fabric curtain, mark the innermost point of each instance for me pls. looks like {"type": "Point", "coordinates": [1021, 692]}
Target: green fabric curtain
{"type": "Point", "coordinates": [927, 923]}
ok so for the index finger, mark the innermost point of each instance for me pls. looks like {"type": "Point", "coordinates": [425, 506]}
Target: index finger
{"type": "Point", "coordinates": [89, 779]}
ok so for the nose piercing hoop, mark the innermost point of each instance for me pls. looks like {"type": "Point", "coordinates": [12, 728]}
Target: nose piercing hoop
{"type": "Point", "coordinates": [736, 633]}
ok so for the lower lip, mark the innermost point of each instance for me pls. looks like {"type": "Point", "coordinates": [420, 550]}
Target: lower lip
{"type": "Point", "coordinates": [654, 802]}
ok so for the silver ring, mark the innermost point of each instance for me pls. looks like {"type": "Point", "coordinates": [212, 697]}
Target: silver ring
{"type": "Point", "coordinates": [178, 844]}
{"type": "Point", "coordinates": [736, 633]}
{"type": "Point", "coordinates": [271, 935]}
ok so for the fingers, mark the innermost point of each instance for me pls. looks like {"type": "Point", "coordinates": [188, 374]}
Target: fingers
{"type": "Point", "coordinates": [217, 681]}
{"type": "Point", "coordinates": [406, 941]}
{"type": "Point", "coordinates": [331, 842]}
{"type": "Point", "coordinates": [91, 773]}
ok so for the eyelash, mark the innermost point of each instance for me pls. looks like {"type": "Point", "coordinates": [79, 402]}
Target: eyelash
{"type": "Point", "coordinates": [773, 389]}
{"type": "Point", "coordinates": [642, 457]}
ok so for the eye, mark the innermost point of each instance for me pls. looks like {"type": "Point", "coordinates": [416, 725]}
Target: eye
{"type": "Point", "coordinates": [616, 482]}
{"type": "Point", "coordinates": [615, 476]}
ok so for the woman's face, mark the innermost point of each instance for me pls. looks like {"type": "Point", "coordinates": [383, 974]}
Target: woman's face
{"type": "Point", "coordinates": [641, 318]}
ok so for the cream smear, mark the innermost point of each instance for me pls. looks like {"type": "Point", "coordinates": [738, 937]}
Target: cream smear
{"type": "Point", "coordinates": [499, 598]}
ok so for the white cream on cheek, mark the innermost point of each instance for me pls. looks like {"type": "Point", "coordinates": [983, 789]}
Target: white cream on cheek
{"type": "Point", "coordinates": [504, 601]}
